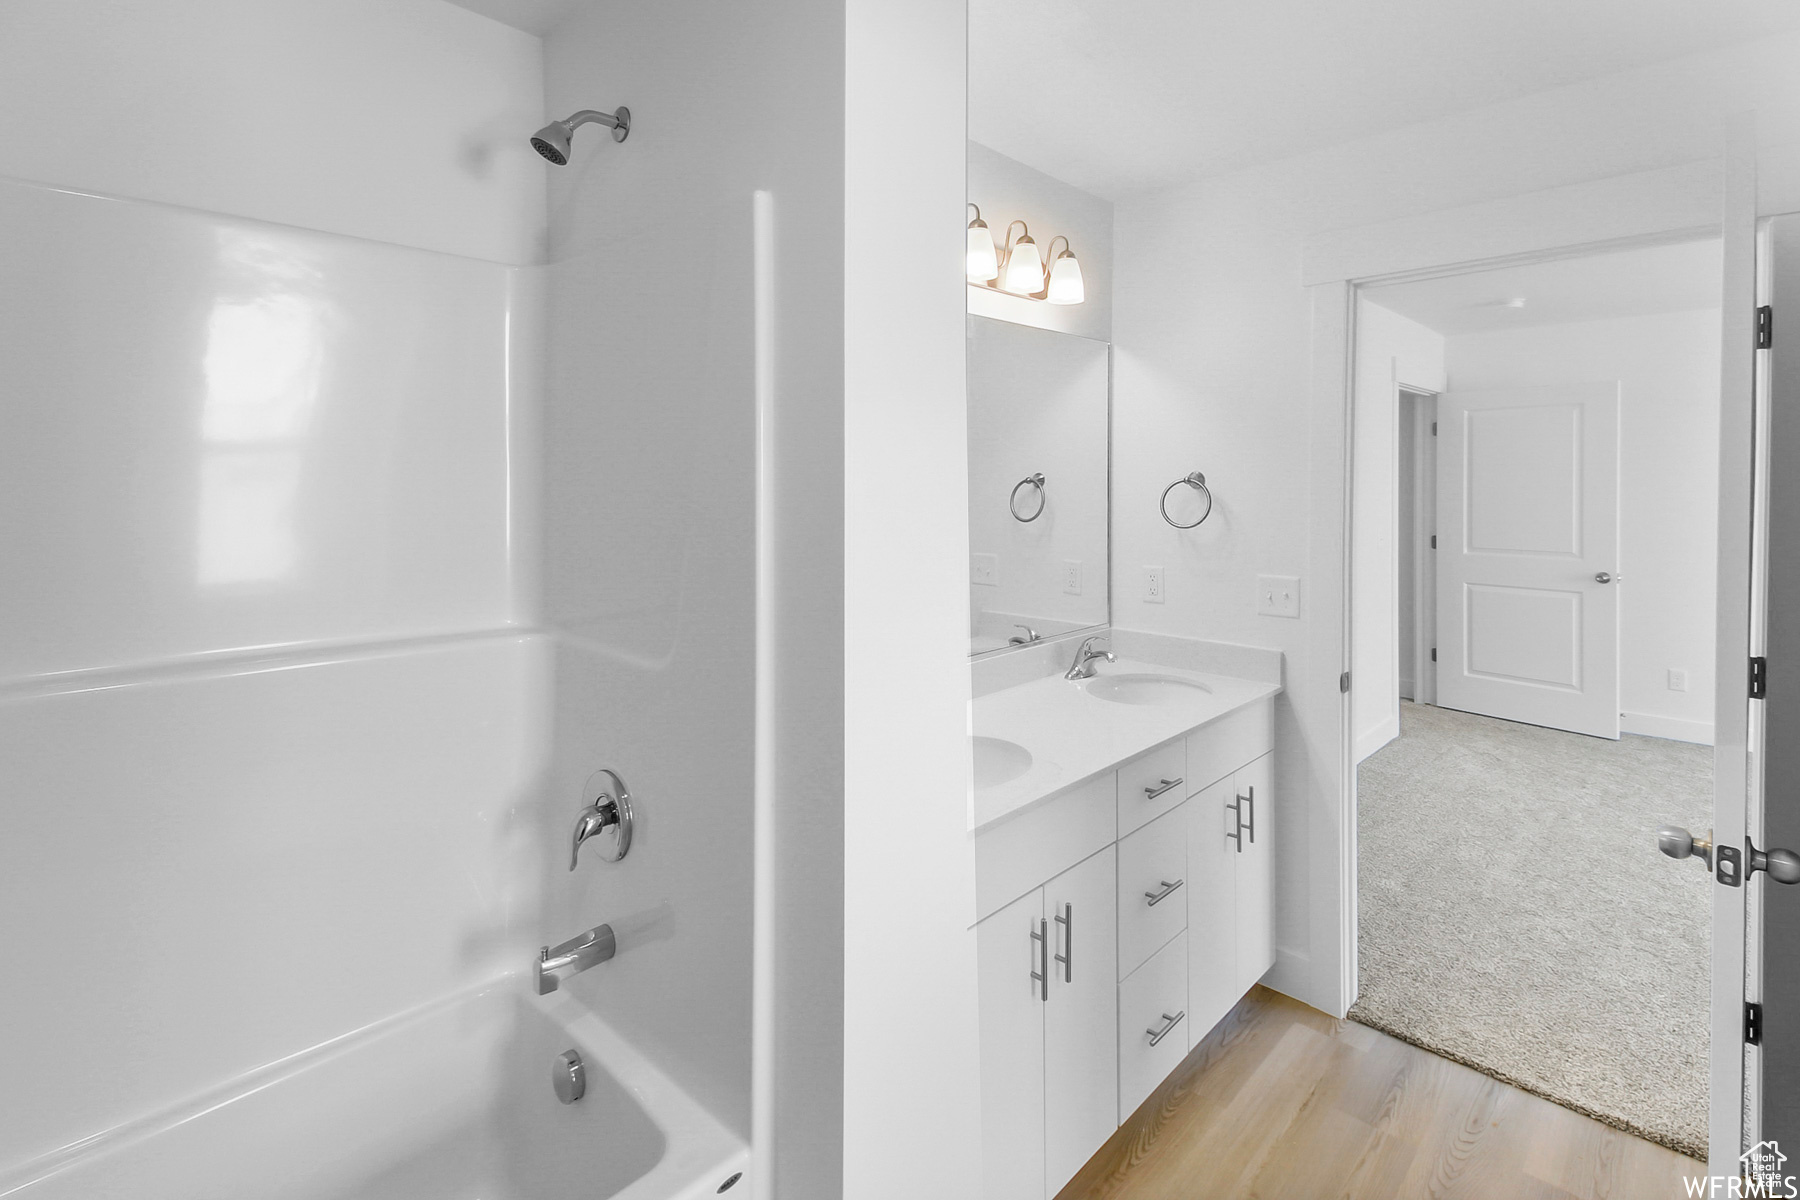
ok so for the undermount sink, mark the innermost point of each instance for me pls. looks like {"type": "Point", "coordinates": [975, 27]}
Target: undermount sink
{"type": "Point", "coordinates": [1144, 689]}
{"type": "Point", "coordinates": [999, 761]}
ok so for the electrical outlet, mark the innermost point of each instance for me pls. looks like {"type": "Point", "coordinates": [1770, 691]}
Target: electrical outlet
{"type": "Point", "coordinates": [1278, 595]}
{"type": "Point", "coordinates": [1153, 585]}
{"type": "Point", "coordinates": [1677, 680]}
{"type": "Point", "coordinates": [984, 569]}
{"type": "Point", "coordinates": [1072, 577]}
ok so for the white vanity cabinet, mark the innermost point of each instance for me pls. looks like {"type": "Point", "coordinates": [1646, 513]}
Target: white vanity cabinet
{"type": "Point", "coordinates": [1047, 968]}
{"type": "Point", "coordinates": [1081, 1062]}
{"type": "Point", "coordinates": [1119, 920]}
{"type": "Point", "coordinates": [1231, 896]}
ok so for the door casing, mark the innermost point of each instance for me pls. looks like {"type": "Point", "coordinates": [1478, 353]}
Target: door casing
{"type": "Point", "coordinates": [1654, 208]}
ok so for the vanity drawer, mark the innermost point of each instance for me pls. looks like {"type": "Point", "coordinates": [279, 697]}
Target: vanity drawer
{"type": "Point", "coordinates": [1148, 999]}
{"type": "Point", "coordinates": [1230, 742]}
{"type": "Point", "coordinates": [1152, 874]}
{"type": "Point", "coordinates": [1019, 853]}
{"type": "Point", "coordinates": [1151, 784]}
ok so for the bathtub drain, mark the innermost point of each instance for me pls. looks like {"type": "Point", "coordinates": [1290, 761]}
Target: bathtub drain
{"type": "Point", "coordinates": [568, 1075]}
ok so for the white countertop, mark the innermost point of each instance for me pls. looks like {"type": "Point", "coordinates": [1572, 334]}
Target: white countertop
{"type": "Point", "coordinates": [1073, 736]}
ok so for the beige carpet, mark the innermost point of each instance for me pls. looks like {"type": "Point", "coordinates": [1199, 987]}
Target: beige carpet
{"type": "Point", "coordinates": [1516, 916]}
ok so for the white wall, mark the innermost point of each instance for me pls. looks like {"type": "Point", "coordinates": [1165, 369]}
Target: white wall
{"type": "Point", "coordinates": [267, 554]}
{"type": "Point", "coordinates": [911, 1081]}
{"type": "Point", "coordinates": [1390, 351]}
{"type": "Point", "coordinates": [1668, 371]}
{"type": "Point", "coordinates": [1211, 372]}
{"type": "Point", "coordinates": [405, 121]}
{"type": "Point", "coordinates": [1008, 190]}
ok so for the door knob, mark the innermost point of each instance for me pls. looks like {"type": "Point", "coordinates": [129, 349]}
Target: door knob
{"type": "Point", "coordinates": [1783, 866]}
{"type": "Point", "coordinates": [1677, 842]}
{"type": "Point", "coordinates": [1605, 577]}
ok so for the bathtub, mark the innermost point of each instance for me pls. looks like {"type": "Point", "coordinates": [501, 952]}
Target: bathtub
{"type": "Point", "coordinates": [452, 1101]}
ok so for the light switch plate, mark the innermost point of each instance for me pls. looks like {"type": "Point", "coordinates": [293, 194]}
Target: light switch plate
{"type": "Point", "coordinates": [1677, 680]}
{"type": "Point", "coordinates": [984, 569]}
{"type": "Point", "coordinates": [1278, 595]}
{"type": "Point", "coordinates": [1072, 577]}
{"type": "Point", "coordinates": [1153, 585]}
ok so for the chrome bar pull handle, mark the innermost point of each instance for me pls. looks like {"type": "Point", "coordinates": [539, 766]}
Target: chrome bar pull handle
{"type": "Point", "coordinates": [1041, 935]}
{"type": "Point", "coordinates": [1066, 958]}
{"type": "Point", "coordinates": [1250, 825]}
{"type": "Point", "coordinates": [1168, 889]}
{"type": "Point", "coordinates": [1170, 1021]}
{"type": "Point", "coordinates": [1151, 793]}
{"type": "Point", "coordinates": [1237, 834]}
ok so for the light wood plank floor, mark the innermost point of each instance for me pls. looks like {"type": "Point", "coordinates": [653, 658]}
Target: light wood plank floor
{"type": "Point", "coordinates": [1282, 1102]}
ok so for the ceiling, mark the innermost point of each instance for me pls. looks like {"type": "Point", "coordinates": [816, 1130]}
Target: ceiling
{"type": "Point", "coordinates": [1116, 96]}
{"type": "Point", "coordinates": [533, 16]}
{"type": "Point", "coordinates": [1624, 283]}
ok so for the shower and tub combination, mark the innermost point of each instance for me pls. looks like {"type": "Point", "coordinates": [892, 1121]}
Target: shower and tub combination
{"type": "Point", "coordinates": [316, 647]}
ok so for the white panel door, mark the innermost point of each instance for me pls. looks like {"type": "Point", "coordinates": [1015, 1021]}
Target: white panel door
{"type": "Point", "coordinates": [1081, 1048]}
{"type": "Point", "coordinates": [1212, 905]}
{"type": "Point", "coordinates": [1008, 952]}
{"type": "Point", "coordinates": [1255, 796]}
{"type": "Point", "coordinates": [1528, 540]}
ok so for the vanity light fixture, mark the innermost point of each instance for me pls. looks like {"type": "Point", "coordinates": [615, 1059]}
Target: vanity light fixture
{"type": "Point", "coordinates": [1019, 269]}
{"type": "Point", "coordinates": [983, 263]}
{"type": "Point", "coordinates": [1024, 273]}
{"type": "Point", "coordinates": [1065, 285]}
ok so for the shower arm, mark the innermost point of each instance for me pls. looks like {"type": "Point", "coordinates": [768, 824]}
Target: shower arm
{"type": "Point", "coordinates": [593, 116]}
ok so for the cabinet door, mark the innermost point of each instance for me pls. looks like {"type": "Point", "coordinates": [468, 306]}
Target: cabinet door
{"type": "Point", "coordinates": [1081, 1064]}
{"type": "Point", "coordinates": [1012, 1004]}
{"type": "Point", "coordinates": [1256, 873]}
{"type": "Point", "coordinates": [1212, 907]}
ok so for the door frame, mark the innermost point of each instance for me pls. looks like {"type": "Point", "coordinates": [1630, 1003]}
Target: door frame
{"type": "Point", "coordinates": [1420, 461]}
{"type": "Point", "coordinates": [1713, 199]}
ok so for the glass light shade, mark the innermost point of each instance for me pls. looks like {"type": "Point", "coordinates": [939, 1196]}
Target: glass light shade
{"type": "Point", "coordinates": [1024, 270]}
{"type": "Point", "coordinates": [1065, 281]}
{"type": "Point", "coordinates": [983, 263]}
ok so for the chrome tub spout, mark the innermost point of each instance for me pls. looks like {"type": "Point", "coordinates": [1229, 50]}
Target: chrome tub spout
{"type": "Point", "coordinates": [590, 949]}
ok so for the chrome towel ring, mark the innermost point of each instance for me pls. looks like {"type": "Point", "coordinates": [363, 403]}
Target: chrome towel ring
{"type": "Point", "coordinates": [1197, 481]}
{"type": "Point", "coordinates": [1036, 481]}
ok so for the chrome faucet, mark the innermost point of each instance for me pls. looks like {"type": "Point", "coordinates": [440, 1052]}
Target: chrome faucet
{"type": "Point", "coordinates": [584, 950]}
{"type": "Point", "coordinates": [1031, 635]}
{"type": "Point", "coordinates": [609, 810]}
{"type": "Point", "coordinates": [1086, 657]}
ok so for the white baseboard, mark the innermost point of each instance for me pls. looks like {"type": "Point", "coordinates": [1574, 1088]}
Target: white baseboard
{"type": "Point", "coordinates": [1673, 728]}
{"type": "Point", "coordinates": [1293, 975]}
{"type": "Point", "coordinates": [1374, 739]}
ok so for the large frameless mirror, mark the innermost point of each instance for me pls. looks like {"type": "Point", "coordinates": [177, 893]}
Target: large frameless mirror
{"type": "Point", "coordinates": [1038, 426]}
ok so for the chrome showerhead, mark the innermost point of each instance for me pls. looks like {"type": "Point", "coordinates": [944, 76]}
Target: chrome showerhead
{"type": "Point", "coordinates": [552, 141]}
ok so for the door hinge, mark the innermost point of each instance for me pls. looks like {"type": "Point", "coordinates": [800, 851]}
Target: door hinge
{"type": "Point", "coordinates": [1759, 678]}
{"type": "Point", "coordinates": [1434, 541]}
{"type": "Point", "coordinates": [1434, 429]}
{"type": "Point", "coordinates": [1765, 327]}
{"type": "Point", "coordinates": [1753, 1023]}
{"type": "Point", "coordinates": [1434, 654]}
{"type": "Point", "coordinates": [1344, 682]}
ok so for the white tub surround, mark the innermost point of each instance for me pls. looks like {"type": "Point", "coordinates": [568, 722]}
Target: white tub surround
{"type": "Point", "coordinates": [452, 1099]}
{"type": "Point", "coordinates": [1124, 890]}
{"type": "Point", "coordinates": [1074, 735]}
